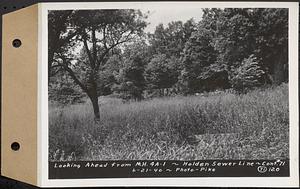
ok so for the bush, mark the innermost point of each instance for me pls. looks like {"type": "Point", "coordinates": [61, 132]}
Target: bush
{"type": "Point", "coordinates": [248, 76]}
{"type": "Point", "coordinates": [128, 91]}
{"type": "Point", "coordinates": [214, 77]}
{"type": "Point", "coordinates": [66, 95]}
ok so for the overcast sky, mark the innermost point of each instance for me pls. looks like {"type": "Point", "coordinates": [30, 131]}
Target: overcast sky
{"type": "Point", "coordinates": [165, 15]}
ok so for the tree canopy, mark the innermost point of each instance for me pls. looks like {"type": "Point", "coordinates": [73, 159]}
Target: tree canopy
{"type": "Point", "coordinates": [107, 52]}
{"type": "Point", "coordinates": [97, 33]}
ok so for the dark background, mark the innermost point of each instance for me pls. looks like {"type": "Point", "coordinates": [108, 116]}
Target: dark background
{"type": "Point", "coordinates": [7, 6]}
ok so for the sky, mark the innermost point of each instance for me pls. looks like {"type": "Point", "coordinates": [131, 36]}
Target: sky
{"type": "Point", "coordinates": [165, 15]}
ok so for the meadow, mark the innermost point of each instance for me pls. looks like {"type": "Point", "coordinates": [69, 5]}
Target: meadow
{"type": "Point", "coordinates": [222, 125]}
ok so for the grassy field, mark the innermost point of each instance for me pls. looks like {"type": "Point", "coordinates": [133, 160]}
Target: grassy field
{"type": "Point", "coordinates": [214, 126]}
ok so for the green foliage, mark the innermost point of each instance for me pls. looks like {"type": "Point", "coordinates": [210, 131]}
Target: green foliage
{"type": "Point", "coordinates": [161, 72]}
{"type": "Point", "coordinates": [114, 20]}
{"type": "Point", "coordinates": [225, 39]}
{"type": "Point", "coordinates": [170, 40]}
{"type": "Point", "coordinates": [56, 41]}
{"type": "Point", "coordinates": [66, 95]}
{"type": "Point", "coordinates": [249, 75]}
{"type": "Point", "coordinates": [97, 33]}
{"type": "Point", "coordinates": [272, 40]}
{"type": "Point", "coordinates": [198, 54]}
{"type": "Point", "coordinates": [262, 32]}
{"type": "Point", "coordinates": [214, 77]}
{"type": "Point", "coordinates": [224, 126]}
{"type": "Point", "coordinates": [235, 36]}
{"type": "Point", "coordinates": [107, 75]}
{"type": "Point", "coordinates": [130, 79]}
{"type": "Point", "coordinates": [192, 57]}
{"type": "Point", "coordinates": [166, 47]}
{"type": "Point", "coordinates": [63, 91]}
{"type": "Point", "coordinates": [128, 91]}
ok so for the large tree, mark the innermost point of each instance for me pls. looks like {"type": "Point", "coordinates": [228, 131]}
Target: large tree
{"type": "Point", "coordinates": [170, 39]}
{"type": "Point", "coordinates": [130, 79]}
{"type": "Point", "coordinates": [272, 40]}
{"type": "Point", "coordinates": [226, 39]}
{"type": "Point", "coordinates": [198, 54]}
{"type": "Point", "coordinates": [262, 32]}
{"type": "Point", "coordinates": [161, 72]}
{"type": "Point", "coordinates": [166, 46]}
{"type": "Point", "coordinates": [98, 33]}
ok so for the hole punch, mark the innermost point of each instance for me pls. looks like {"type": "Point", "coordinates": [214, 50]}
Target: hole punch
{"type": "Point", "coordinates": [17, 43]}
{"type": "Point", "coordinates": [15, 146]}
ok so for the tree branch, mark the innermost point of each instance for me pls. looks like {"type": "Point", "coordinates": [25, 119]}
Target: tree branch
{"type": "Point", "coordinates": [65, 66]}
{"type": "Point", "coordinates": [88, 53]}
{"type": "Point", "coordinates": [104, 37]}
{"type": "Point", "coordinates": [98, 61]}
{"type": "Point", "coordinates": [94, 42]}
{"type": "Point", "coordinates": [56, 46]}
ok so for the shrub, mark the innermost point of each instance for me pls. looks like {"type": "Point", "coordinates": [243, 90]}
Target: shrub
{"type": "Point", "coordinates": [248, 76]}
{"type": "Point", "coordinates": [66, 95]}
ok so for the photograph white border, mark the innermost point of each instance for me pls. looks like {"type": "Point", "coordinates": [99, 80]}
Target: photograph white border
{"type": "Point", "coordinates": [43, 180]}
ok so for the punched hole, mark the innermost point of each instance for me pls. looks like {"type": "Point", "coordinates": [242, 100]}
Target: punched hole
{"type": "Point", "coordinates": [17, 43]}
{"type": "Point", "coordinates": [15, 146]}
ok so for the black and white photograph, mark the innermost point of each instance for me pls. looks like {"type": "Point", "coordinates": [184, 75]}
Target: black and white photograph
{"type": "Point", "coordinates": [149, 94]}
{"type": "Point", "coordinates": [163, 85]}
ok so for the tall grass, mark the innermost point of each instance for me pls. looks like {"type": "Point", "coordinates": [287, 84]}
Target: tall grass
{"type": "Point", "coordinates": [217, 126]}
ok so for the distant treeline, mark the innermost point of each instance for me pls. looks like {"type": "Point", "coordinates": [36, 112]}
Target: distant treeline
{"type": "Point", "coordinates": [234, 48]}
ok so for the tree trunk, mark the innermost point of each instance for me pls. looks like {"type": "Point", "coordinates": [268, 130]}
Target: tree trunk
{"type": "Point", "coordinates": [94, 97]}
{"type": "Point", "coordinates": [94, 100]}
